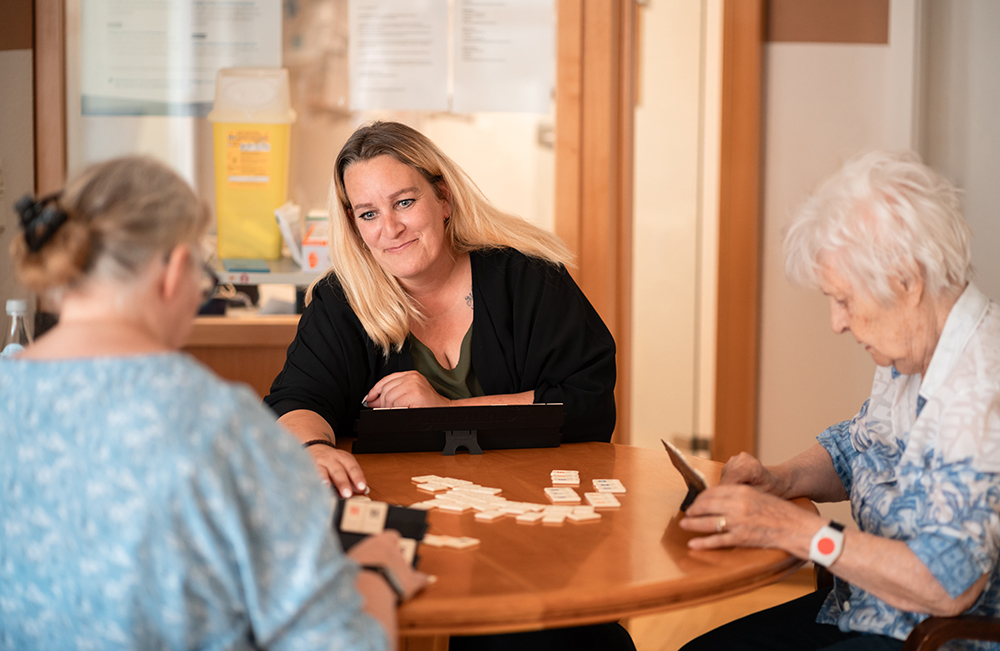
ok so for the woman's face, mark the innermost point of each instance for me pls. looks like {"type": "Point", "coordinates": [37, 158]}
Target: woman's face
{"type": "Point", "coordinates": [400, 218]}
{"type": "Point", "coordinates": [892, 334]}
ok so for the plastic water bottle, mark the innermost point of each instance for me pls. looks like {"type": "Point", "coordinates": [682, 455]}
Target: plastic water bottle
{"type": "Point", "coordinates": [18, 335]}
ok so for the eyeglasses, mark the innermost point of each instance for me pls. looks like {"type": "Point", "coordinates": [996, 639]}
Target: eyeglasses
{"type": "Point", "coordinates": [208, 283]}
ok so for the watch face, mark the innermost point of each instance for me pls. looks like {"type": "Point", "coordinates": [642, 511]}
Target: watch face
{"type": "Point", "coordinates": [826, 545]}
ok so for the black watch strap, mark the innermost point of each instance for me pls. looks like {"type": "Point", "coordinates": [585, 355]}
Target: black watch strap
{"type": "Point", "coordinates": [390, 578]}
{"type": "Point", "coordinates": [318, 442]}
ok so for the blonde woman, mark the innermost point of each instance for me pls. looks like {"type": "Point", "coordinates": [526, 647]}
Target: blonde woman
{"type": "Point", "coordinates": [436, 297]}
{"type": "Point", "coordinates": [147, 503]}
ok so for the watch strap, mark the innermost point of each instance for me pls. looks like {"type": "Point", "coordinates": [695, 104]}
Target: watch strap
{"type": "Point", "coordinates": [319, 442]}
{"type": "Point", "coordinates": [390, 578]}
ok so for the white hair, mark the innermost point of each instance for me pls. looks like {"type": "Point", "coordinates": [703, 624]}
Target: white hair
{"type": "Point", "coordinates": [884, 215]}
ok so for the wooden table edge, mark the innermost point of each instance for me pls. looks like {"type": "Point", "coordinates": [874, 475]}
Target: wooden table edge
{"type": "Point", "coordinates": [636, 601]}
{"type": "Point", "coordinates": [650, 604]}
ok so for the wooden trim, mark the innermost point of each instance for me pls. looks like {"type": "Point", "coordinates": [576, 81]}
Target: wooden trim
{"type": "Point", "coordinates": [594, 132]}
{"type": "Point", "coordinates": [738, 338]}
{"type": "Point", "coordinates": [16, 26]}
{"type": "Point", "coordinates": [932, 633]}
{"type": "Point", "coordinates": [50, 95]}
{"type": "Point", "coordinates": [627, 92]}
{"type": "Point", "coordinates": [238, 332]}
{"type": "Point", "coordinates": [439, 643]}
{"type": "Point", "coordinates": [828, 21]}
{"type": "Point", "coordinates": [569, 87]}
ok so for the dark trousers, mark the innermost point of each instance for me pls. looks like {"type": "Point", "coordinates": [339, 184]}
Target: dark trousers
{"type": "Point", "coordinates": [600, 637]}
{"type": "Point", "coordinates": [790, 627]}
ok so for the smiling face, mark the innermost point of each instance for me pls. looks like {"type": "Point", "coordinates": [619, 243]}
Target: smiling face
{"type": "Point", "coordinates": [400, 218]}
{"type": "Point", "coordinates": [893, 334]}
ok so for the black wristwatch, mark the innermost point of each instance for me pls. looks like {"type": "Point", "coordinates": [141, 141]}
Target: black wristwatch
{"type": "Point", "coordinates": [390, 578]}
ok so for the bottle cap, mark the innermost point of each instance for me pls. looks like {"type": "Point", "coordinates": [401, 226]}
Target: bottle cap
{"type": "Point", "coordinates": [17, 306]}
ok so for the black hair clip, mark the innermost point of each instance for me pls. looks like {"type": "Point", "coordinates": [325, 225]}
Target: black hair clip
{"type": "Point", "coordinates": [40, 219]}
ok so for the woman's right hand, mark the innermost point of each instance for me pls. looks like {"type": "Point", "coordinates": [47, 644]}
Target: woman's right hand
{"type": "Point", "coordinates": [383, 549]}
{"type": "Point", "coordinates": [339, 468]}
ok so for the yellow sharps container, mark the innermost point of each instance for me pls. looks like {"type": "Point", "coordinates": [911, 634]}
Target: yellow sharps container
{"type": "Point", "coordinates": [251, 124]}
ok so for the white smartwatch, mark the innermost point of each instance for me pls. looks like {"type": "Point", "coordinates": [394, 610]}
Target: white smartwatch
{"type": "Point", "coordinates": [827, 544]}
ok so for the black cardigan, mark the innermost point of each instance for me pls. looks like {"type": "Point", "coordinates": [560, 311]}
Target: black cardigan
{"type": "Point", "coordinates": [533, 330]}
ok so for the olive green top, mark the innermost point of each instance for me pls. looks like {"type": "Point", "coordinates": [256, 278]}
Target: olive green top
{"type": "Point", "coordinates": [456, 383]}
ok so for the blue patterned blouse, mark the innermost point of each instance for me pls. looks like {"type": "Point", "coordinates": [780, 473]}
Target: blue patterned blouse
{"type": "Point", "coordinates": [921, 463]}
{"type": "Point", "coordinates": [146, 504]}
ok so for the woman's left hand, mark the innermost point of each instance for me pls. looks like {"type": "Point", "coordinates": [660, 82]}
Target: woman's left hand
{"type": "Point", "coordinates": [740, 516]}
{"type": "Point", "coordinates": [405, 389]}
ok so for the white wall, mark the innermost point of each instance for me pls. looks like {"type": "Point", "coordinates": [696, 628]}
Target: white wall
{"type": "Point", "coordinates": [823, 104]}
{"type": "Point", "coordinates": [17, 158]}
{"type": "Point", "coordinates": [961, 117]}
{"type": "Point", "coordinates": [675, 220]}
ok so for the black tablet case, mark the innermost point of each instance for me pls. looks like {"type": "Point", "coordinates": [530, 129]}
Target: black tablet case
{"type": "Point", "coordinates": [432, 429]}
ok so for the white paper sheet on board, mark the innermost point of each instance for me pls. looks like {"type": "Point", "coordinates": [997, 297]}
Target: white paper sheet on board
{"type": "Point", "coordinates": [504, 57]}
{"type": "Point", "coordinates": [144, 57]}
{"type": "Point", "coordinates": [399, 55]}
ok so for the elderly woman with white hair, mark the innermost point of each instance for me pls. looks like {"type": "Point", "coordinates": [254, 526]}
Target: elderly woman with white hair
{"type": "Point", "coordinates": [885, 240]}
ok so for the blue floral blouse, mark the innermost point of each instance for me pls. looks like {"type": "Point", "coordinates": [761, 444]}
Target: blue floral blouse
{"type": "Point", "coordinates": [146, 504]}
{"type": "Point", "coordinates": [921, 463]}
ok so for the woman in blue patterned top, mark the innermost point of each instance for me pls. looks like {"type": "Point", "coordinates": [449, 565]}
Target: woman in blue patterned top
{"type": "Point", "coordinates": [146, 503]}
{"type": "Point", "coordinates": [885, 240]}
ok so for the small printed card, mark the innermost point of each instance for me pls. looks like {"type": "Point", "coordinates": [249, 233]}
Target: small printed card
{"type": "Point", "coordinates": [602, 500]}
{"type": "Point", "coordinates": [364, 516]}
{"type": "Point", "coordinates": [608, 486]}
{"type": "Point", "coordinates": [561, 494]}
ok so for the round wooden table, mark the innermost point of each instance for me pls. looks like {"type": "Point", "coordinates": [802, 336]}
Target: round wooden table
{"type": "Point", "coordinates": [528, 577]}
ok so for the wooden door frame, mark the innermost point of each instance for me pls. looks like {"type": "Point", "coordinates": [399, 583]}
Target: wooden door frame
{"type": "Point", "coordinates": [594, 133]}
{"type": "Point", "coordinates": [739, 305]}
{"type": "Point", "coordinates": [594, 157]}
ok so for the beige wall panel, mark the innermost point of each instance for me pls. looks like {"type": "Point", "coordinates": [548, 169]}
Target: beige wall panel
{"type": "Point", "coordinates": [961, 124]}
{"type": "Point", "coordinates": [824, 104]}
{"type": "Point", "coordinates": [17, 158]}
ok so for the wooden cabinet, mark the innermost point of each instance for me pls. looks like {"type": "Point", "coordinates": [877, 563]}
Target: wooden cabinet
{"type": "Point", "coordinates": [243, 349]}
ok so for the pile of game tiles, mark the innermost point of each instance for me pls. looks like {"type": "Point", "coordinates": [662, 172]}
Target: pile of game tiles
{"type": "Point", "coordinates": [460, 495]}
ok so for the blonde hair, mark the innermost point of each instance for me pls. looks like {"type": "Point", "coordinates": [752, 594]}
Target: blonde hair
{"type": "Point", "coordinates": [118, 215]}
{"type": "Point", "coordinates": [381, 304]}
{"type": "Point", "coordinates": [883, 215]}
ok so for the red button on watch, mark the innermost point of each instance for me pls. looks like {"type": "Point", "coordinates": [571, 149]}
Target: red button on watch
{"type": "Point", "coordinates": [827, 544]}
